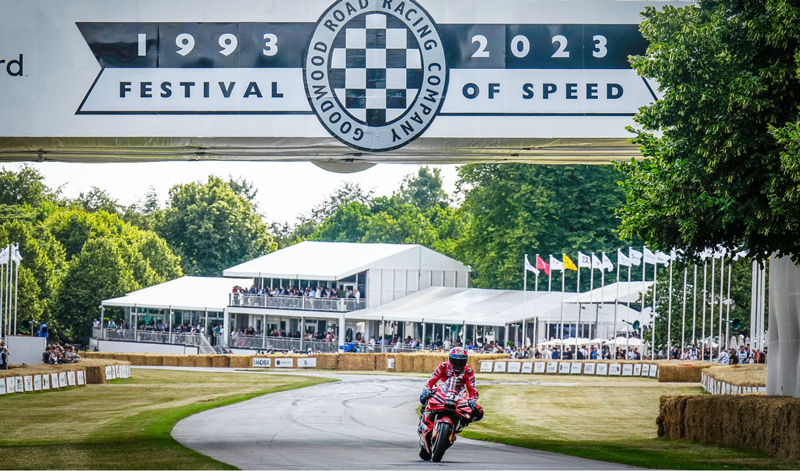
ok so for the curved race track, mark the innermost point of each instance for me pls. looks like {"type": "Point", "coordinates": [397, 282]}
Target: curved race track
{"type": "Point", "coordinates": [360, 422]}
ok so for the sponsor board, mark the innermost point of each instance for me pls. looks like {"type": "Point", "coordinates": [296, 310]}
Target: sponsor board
{"type": "Point", "coordinates": [564, 368]}
{"type": "Point", "coordinates": [602, 369]}
{"type": "Point", "coordinates": [627, 369]}
{"type": "Point", "coordinates": [28, 383]}
{"type": "Point", "coordinates": [588, 368]}
{"type": "Point", "coordinates": [62, 379]}
{"type": "Point", "coordinates": [539, 367]}
{"type": "Point", "coordinates": [499, 367]}
{"type": "Point", "coordinates": [262, 362]}
{"type": "Point", "coordinates": [614, 369]}
{"type": "Point", "coordinates": [514, 367]}
{"type": "Point", "coordinates": [45, 381]}
{"type": "Point", "coordinates": [486, 366]}
{"type": "Point", "coordinates": [284, 363]}
{"type": "Point", "coordinates": [307, 362]}
{"type": "Point", "coordinates": [645, 369]}
{"type": "Point", "coordinates": [527, 367]}
{"type": "Point", "coordinates": [552, 367]}
{"type": "Point", "coordinates": [360, 76]}
{"type": "Point", "coordinates": [37, 383]}
{"type": "Point", "coordinates": [81, 378]}
{"type": "Point", "coordinates": [637, 369]}
{"type": "Point", "coordinates": [653, 371]}
{"type": "Point", "coordinates": [390, 364]}
{"type": "Point", "coordinates": [71, 380]}
{"type": "Point", "coordinates": [575, 368]}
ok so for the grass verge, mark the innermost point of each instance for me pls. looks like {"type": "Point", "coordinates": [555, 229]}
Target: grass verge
{"type": "Point", "coordinates": [125, 424]}
{"type": "Point", "coordinates": [602, 422]}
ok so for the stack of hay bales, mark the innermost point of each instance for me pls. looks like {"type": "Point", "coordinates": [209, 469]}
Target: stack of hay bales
{"type": "Point", "coordinates": [241, 361]}
{"type": "Point", "coordinates": [684, 372]}
{"type": "Point", "coordinates": [767, 423]}
{"type": "Point", "coordinates": [356, 362]}
{"type": "Point", "coordinates": [220, 361]}
{"type": "Point", "coordinates": [327, 361]}
{"type": "Point", "coordinates": [754, 376]}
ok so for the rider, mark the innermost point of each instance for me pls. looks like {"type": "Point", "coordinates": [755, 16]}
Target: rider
{"type": "Point", "coordinates": [456, 366]}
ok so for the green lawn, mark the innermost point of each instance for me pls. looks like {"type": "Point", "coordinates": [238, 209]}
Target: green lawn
{"type": "Point", "coordinates": [609, 421]}
{"type": "Point", "coordinates": [125, 424]}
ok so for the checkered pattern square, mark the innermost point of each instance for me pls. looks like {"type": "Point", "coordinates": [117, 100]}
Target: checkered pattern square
{"type": "Point", "coordinates": [376, 68]}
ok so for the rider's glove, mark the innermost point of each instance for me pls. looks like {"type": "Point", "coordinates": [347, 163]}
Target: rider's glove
{"type": "Point", "coordinates": [423, 398]}
{"type": "Point", "coordinates": [472, 403]}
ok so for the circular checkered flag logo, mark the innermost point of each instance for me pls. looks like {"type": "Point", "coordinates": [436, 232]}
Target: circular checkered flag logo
{"type": "Point", "coordinates": [375, 73]}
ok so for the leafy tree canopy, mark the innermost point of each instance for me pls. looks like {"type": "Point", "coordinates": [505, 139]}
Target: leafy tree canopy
{"type": "Point", "coordinates": [517, 209]}
{"type": "Point", "coordinates": [212, 227]}
{"type": "Point", "coordinates": [721, 145]}
{"type": "Point", "coordinates": [24, 187]}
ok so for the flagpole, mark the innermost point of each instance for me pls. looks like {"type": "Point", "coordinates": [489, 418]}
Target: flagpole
{"type": "Point", "coordinates": [602, 298]}
{"type": "Point", "coordinates": [705, 302]}
{"type": "Point", "coordinates": [616, 304]}
{"type": "Point", "coordinates": [711, 315]}
{"type": "Point", "coordinates": [655, 285]}
{"type": "Point", "coordinates": [524, 291]}
{"type": "Point", "coordinates": [694, 308]}
{"type": "Point", "coordinates": [549, 286]}
{"type": "Point", "coordinates": [578, 294]}
{"type": "Point", "coordinates": [641, 314]}
{"type": "Point", "coordinates": [563, 280]}
{"type": "Point", "coordinates": [683, 316]}
{"type": "Point", "coordinates": [728, 310]}
{"type": "Point", "coordinates": [16, 286]}
{"type": "Point", "coordinates": [721, 292]}
{"type": "Point", "coordinates": [8, 290]}
{"type": "Point", "coordinates": [3, 314]}
{"type": "Point", "coordinates": [669, 309]}
{"type": "Point", "coordinates": [535, 308]}
{"type": "Point", "coordinates": [591, 300]}
{"type": "Point", "coordinates": [628, 328]}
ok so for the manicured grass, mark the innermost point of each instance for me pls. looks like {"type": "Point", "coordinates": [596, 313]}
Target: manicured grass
{"type": "Point", "coordinates": [602, 421]}
{"type": "Point", "coordinates": [125, 424]}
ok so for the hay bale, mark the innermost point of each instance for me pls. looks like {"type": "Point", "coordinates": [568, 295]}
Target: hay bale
{"type": "Point", "coordinates": [740, 375]}
{"type": "Point", "coordinates": [433, 360]}
{"type": "Point", "coordinates": [203, 361]}
{"type": "Point", "coordinates": [327, 361]}
{"type": "Point", "coordinates": [186, 360]}
{"type": "Point", "coordinates": [380, 362]}
{"type": "Point", "coordinates": [169, 360]}
{"type": "Point", "coordinates": [767, 423]}
{"type": "Point", "coordinates": [220, 361]}
{"type": "Point", "coordinates": [671, 373]}
{"type": "Point", "coordinates": [356, 361]}
{"type": "Point", "coordinates": [153, 359]}
{"type": "Point", "coordinates": [95, 374]}
{"type": "Point", "coordinates": [417, 363]}
{"type": "Point", "coordinates": [241, 361]}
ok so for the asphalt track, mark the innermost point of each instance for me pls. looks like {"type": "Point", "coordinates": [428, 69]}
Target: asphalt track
{"type": "Point", "coordinates": [360, 422]}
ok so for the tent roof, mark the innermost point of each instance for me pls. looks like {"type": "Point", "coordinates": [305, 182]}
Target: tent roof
{"type": "Point", "coordinates": [189, 293]}
{"type": "Point", "coordinates": [338, 260]}
{"type": "Point", "coordinates": [608, 294]}
{"type": "Point", "coordinates": [475, 306]}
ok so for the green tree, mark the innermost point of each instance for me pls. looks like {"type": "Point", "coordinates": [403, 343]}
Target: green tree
{"type": "Point", "coordinates": [514, 209]}
{"type": "Point", "coordinates": [145, 212]}
{"type": "Point", "coordinates": [212, 228]}
{"type": "Point", "coordinates": [40, 271]}
{"type": "Point", "coordinates": [73, 227]}
{"type": "Point", "coordinates": [24, 187]}
{"type": "Point", "coordinates": [423, 190]}
{"type": "Point", "coordinates": [719, 164]}
{"type": "Point", "coordinates": [100, 271]}
{"type": "Point", "coordinates": [97, 200]}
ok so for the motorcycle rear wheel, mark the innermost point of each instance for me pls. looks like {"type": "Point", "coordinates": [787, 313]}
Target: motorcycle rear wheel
{"type": "Point", "coordinates": [423, 453]}
{"type": "Point", "coordinates": [442, 442]}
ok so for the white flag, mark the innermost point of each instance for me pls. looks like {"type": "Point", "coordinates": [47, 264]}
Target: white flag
{"type": "Point", "coordinates": [636, 257]}
{"type": "Point", "coordinates": [607, 263]}
{"type": "Point", "coordinates": [662, 258]}
{"type": "Point", "coordinates": [4, 256]}
{"type": "Point", "coordinates": [596, 263]}
{"type": "Point", "coordinates": [530, 267]}
{"type": "Point", "coordinates": [623, 259]}
{"type": "Point", "coordinates": [705, 254]}
{"type": "Point", "coordinates": [739, 255]}
{"type": "Point", "coordinates": [649, 257]}
{"type": "Point", "coordinates": [556, 264]}
{"type": "Point", "coordinates": [584, 261]}
{"type": "Point", "coordinates": [15, 256]}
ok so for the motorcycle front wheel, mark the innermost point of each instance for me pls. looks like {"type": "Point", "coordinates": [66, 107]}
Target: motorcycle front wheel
{"type": "Point", "coordinates": [423, 453]}
{"type": "Point", "coordinates": [442, 441]}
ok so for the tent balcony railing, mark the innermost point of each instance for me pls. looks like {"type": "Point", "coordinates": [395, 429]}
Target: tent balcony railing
{"type": "Point", "coordinates": [297, 303]}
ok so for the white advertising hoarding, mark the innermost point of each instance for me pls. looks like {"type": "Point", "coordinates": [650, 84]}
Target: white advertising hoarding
{"type": "Point", "coordinates": [354, 80]}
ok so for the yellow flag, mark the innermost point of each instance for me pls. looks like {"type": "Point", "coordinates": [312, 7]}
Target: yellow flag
{"type": "Point", "coordinates": [568, 264]}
